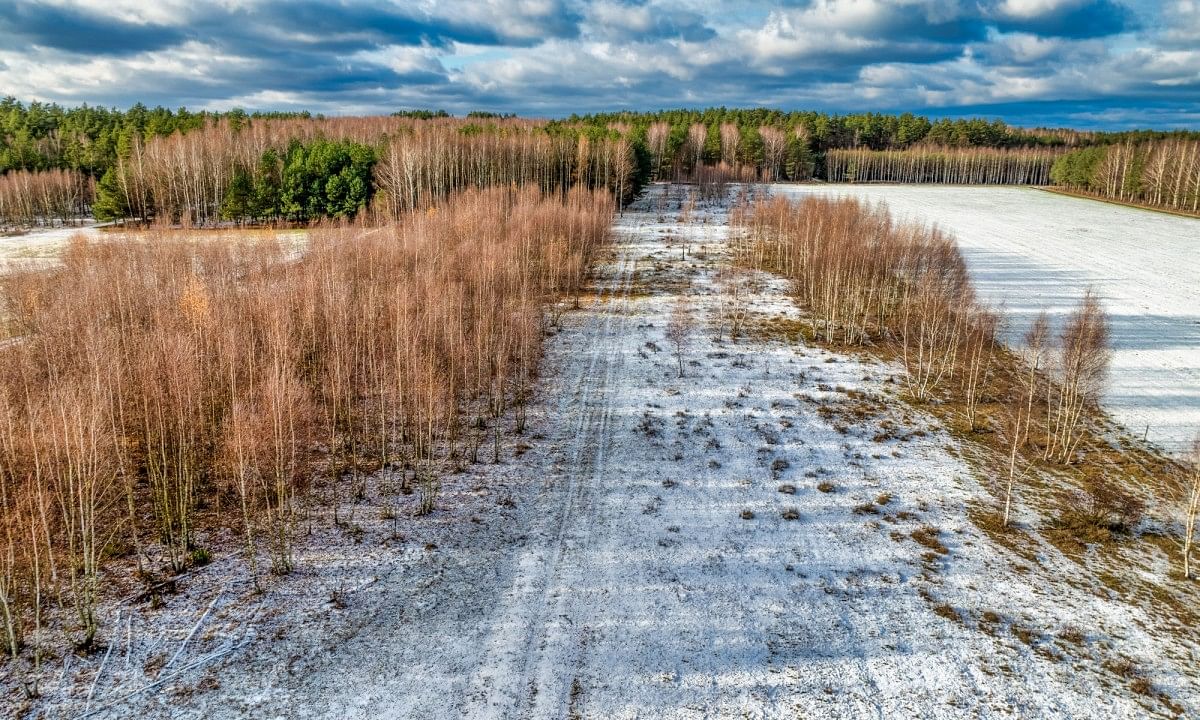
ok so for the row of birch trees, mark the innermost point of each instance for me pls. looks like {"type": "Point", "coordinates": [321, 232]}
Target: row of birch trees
{"type": "Point", "coordinates": [955, 166]}
{"type": "Point", "coordinates": [1164, 173]}
{"type": "Point", "coordinates": [49, 198]}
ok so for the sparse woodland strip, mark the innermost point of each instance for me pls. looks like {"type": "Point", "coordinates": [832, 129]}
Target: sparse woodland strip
{"type": "Point", "coordinates": [1161, 173]}
{"type": "Point", "coordinates": [155, 376]}
{"type": "Point", "coordinates": [29, 199]}
{"type": "Point", "coordinates": [903, 290]}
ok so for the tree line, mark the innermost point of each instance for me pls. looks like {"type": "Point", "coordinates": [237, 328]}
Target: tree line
{"type": "Point", "coordinates": [799, 145]}
{"type": "Point", "coordinates": [1159, 173]}
{"type": "Point", "coordinates": [301, 170]}
{"type": "Point", "coordinates": [178, 166]}
{"type": "Point", "coordinates": [42, 136]}
{"type": "Point", "coordinates": [160, 386]}
{"type": "Point", "coordinates": [46, 136]}
{"type": "Point", "coordinates": [44, 198]}
{"type": "Point", "coordinates": [962, 166]}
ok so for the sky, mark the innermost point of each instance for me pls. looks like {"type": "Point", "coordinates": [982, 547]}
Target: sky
{"type": "Point", "coordinates": [1082, 63]}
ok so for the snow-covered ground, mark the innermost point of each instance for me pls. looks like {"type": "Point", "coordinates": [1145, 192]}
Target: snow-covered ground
{"type": "Point", "coordinates": [44, 245]}
{"type": "Point", "coordinates": [744, 541]}
{"type": "Point", "coordinates": [1031, 250]}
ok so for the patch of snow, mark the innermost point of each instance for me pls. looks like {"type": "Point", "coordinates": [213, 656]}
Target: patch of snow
{"type": "Point", "coordinates": [41, 244]}
{"type": "Point", "coordinates": [44, 246]}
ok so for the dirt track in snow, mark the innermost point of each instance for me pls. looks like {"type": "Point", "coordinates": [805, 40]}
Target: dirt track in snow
{"type": "Point", "coordinates": [608, 572]}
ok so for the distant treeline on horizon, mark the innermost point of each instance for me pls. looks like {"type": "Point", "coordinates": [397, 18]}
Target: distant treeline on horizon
{"type": "Point", "coordinates": [43, 136]}
{"type": "Point", "coordinates": [157, 163]}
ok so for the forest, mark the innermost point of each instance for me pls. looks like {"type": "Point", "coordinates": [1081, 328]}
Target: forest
{"type": "Point", "coordinates": [59, 165]}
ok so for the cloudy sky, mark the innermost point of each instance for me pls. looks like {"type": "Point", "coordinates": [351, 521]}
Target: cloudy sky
{"type": "Point", "coordinates": [1097, 63]}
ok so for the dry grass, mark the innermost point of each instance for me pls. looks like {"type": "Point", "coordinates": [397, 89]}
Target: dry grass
{"type": "Point", "coordinates": [948, 612]}
{"type": "Point", "coordinates": [930, 537]}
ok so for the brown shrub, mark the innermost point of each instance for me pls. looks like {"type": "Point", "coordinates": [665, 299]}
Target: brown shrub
{"type": "Point", "coordinates": [1099, 511]}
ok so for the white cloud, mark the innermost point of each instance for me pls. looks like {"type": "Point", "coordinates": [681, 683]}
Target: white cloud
{"type": "Point", "coordinates": [1026, 9]}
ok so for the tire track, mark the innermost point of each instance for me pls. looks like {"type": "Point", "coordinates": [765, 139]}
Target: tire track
{"type": "Point", "coordinates": [526, 668]}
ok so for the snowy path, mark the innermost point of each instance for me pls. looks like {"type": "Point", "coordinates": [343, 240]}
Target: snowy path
{"type": "Point", "coordinates": [1031, 249]}
{"type": "Point", "coordinates": [612, 570]}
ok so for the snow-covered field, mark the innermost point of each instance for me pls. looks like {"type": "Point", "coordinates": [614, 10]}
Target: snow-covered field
{"type": "Point", "coordinates": [1032, 249]}
{"type": "Point", "coordinates": [741, 542]}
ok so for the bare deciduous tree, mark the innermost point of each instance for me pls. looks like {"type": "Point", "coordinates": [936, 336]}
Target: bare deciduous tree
{"type": "Point", "coordinates": [731, 140]}
{"type": "Point", "coordinates": [1034, 351]}
{"type": "Point", "coordinates": [1191, 507]}
{"type": "Point", "coordinates": [656, 141]}
{"type": "Point", "coordinates": [679, 327]}
{"type": "Point", "coordinates": [774, 143]}
{"type": "Point", "coordinates": [732, 289]}
{"type": "Point", "coordinates": [1081, 367]}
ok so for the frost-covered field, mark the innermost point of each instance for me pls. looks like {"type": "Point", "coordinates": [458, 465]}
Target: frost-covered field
{"type": "Point", "coordinates": [1031, 249]}
{"type": "Point", "coordinates": [744, 541]}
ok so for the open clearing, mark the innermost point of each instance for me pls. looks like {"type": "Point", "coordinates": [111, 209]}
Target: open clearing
{"type": "Point", "coordinates": [1034, 250]}
{"type": "Point", "coordinates": [739, 542]}
{"type": "Point", "coordinates": [41, 244]}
